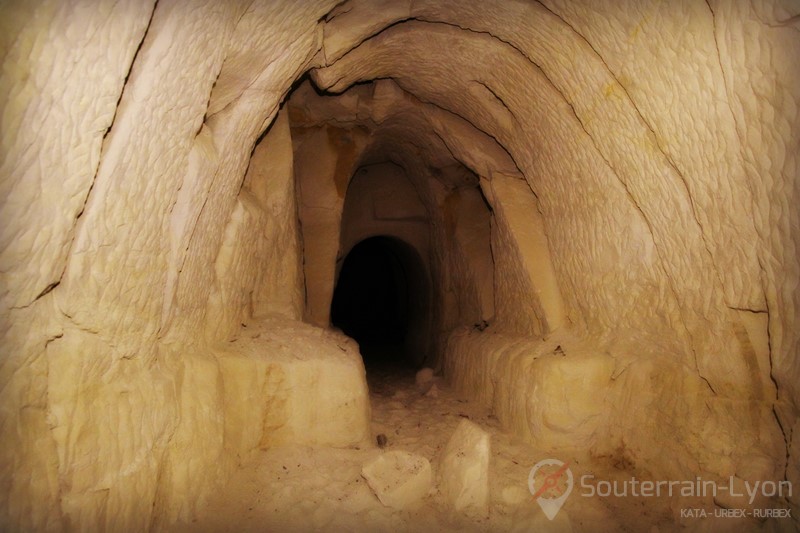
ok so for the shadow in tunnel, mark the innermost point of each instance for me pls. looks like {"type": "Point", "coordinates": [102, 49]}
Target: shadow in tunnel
{"type": "Point", "coordinates": [372, 302]}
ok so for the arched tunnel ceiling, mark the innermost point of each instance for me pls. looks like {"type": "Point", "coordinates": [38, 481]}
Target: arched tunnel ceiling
{"type": "Point", "coordinates": [584, 94]}
{"type": "Point", "coordinates": [617, 129]}
{"type": "Point", "coordinates": [660, 140]}
{"type": "Point", "coordinates": [629, 126]}
{"type": "Point", "coordinates": [403, 129]}
{"type": "Point", "coordinates": [546, 74]}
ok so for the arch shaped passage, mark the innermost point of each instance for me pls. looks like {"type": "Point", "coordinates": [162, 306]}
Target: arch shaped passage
{"type": "Point", "coordinates": [382, 300]}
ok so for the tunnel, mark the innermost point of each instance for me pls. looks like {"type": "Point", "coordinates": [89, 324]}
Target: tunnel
{"type": "Point", "coordinates": [568, 227]}
{"type": "Point", "coordinates": [380, 294]}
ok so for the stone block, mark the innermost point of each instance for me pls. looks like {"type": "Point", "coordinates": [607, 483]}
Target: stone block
{"type": "Point", "coordinates": [464, 478]}
{"type": "Point", "coordinates": [399, 479]}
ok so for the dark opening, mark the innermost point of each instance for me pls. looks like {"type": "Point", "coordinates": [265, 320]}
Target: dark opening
{"type": "Point", "coordinates": [372, 300]}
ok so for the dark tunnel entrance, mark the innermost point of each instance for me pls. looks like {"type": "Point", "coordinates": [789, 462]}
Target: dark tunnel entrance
{"type": "Point", "coordinates": [380, 300]}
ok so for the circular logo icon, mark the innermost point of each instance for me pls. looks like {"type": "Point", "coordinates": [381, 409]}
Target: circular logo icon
{"type": "Point", "coordinates": [550, 482]}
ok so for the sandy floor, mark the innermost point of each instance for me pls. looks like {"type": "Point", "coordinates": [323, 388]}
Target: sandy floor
{"type": "Point", "coordinates": [306, 489]}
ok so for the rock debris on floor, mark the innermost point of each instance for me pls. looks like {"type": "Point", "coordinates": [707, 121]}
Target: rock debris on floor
{"type": "Point", "coordinates": [323, 489]}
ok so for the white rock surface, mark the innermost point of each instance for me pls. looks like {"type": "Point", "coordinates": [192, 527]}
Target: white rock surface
{"type": "Point", "coordinates": [604, 199]}
{"type": "Point", "coordinates": [399, 479]}
{"type": "Point", "coordinates": [464, 470]}
{"type": "Point", "coordinates": [287, 383]}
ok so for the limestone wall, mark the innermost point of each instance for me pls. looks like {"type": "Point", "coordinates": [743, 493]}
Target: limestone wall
{"type": "Point", "coordinates": [152, 190]}
{"type": "Point", "coordinates": [656, 182]}
{"type": "Point", "coordinates": [134, 243]}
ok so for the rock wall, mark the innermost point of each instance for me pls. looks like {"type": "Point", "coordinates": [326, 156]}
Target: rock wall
{"type": "Point", "coordinates": [140, 224]}
{"type": "Point", "coordinates": [656, 181]}
{"type": "Point", "coordinates": [149, 224]}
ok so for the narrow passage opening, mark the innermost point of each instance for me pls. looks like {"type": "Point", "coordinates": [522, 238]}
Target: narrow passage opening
{"type": "Point", "coordinates": [374, 299]}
